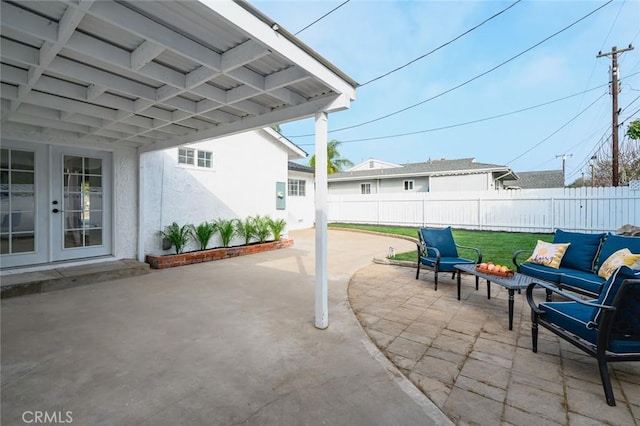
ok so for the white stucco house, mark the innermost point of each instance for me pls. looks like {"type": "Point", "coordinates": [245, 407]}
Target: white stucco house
{"type": "Point", "coordinates": [377, 177]}
{"type": "Point", "coordinates": [93, 90]}
{"type": "Point", "coordinates": [231, 177]}
{"type": "Point", "coordinates": [300, 196]}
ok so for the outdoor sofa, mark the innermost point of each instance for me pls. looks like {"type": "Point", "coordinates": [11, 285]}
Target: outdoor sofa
{"type": "Point", "coordinates": [581, 261]}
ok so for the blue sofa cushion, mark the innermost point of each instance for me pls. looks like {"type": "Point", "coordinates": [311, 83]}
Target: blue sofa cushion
{"type": "Point", "coordinates": [442, 239]}
{"type": "Point", "coordinates": [446, 263]}
{"type": "Point", "coordinates": [588, 281]}
{"type": "Point", "coordinates": [582, 252]}
{"type": "Point", "coordinates": [611, 287]}
{"type": "Point", "coordinates": [545, 273]}
{"type": "Point", "coordinates": [613, 243]}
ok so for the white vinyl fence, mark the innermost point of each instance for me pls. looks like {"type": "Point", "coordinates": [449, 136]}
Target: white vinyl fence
{"type": "Point", "coordinates": [532, 210]}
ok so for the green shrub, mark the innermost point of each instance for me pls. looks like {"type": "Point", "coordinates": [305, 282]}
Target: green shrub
{"type": "Point", "coordinates": [262, 227]}
{"type": "Point", "coordinates": [203, 233]}
{"type": "Point", "coordinates": [227, 231]}
{"type": "Point", "coordinates": [177, 235]}
{"type": "Point", "coordinates": [277, 227]}
{"type": "Point", "coordinates": [245, 229]}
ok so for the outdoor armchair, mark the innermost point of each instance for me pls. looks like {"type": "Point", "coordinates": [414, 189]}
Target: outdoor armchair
{"type": "Point", "coordinates": [607, 328]}
{"type": "Point", "coordinates": [438, 251]}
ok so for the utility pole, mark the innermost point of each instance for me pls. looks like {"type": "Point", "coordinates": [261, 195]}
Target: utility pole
{"type": "Point", "coordinates": [615, 89]}
{"type": "Point", "coordinates": [564, 160]}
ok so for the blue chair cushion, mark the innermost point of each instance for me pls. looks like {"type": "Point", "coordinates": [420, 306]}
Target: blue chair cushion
{"type": "Point", "coordinates": [611, 287]}
{"type": "Point", "coordinates": [582, 252]}
{"type": "Point", "coordinates": [442, 239]}
{"type": "Point", "coordinates": [545, 273]}
{"type": "Point", "coordinates": [588, 281]}
{"type": "Point", "coordinates": [571, 316]}
{"type": "Point", "coordinates": [613, 243]}
{"type": "Point", "coordinates": [446, 263]}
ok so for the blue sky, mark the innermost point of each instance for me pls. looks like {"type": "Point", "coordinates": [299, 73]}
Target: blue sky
{"type": "Point", "coordinates": [366, 39]}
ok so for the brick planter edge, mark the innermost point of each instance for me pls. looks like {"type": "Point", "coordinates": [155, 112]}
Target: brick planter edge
{"type": "Point", "coordinates": [172, 260]}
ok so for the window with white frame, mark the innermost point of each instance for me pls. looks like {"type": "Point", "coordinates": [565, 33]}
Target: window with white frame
{"type": "Point", "coordinates": [192, 157]}
{"type": "Point", "coordinates": [365, 188]}
{"type": "Point", "coordinates": [186, 156]}
{"type": "Point", "coordinates": [205, 159]}
{"type": "Point", "coordinates": [297, 188]}
{"type": "Point", "coordinates": [408, 185]}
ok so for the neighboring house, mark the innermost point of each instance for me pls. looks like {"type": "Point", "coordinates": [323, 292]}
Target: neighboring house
{"type": "Point", "coordinates": [374, 176]}
{"type": "Point", "coordinates": [231, 177]}
{"type": "Point", "coordinates": [93, 92]}
{"type": "Point", "coordinates": [534, 180]}
{"type": "Point", "coordinates": [300, 197]}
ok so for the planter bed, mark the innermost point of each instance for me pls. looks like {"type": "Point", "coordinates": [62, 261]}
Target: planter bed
{"type": "Point", "coordinates": [171, 260]}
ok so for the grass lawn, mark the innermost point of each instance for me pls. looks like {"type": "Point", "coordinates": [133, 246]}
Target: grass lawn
{"type": "Point", "coordinates": [497, 247]}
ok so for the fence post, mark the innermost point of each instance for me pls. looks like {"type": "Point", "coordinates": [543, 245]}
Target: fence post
{"type": "Point", "coordinates": [479, 214]}
{"type": "Point", "coordinates": [552, 216]}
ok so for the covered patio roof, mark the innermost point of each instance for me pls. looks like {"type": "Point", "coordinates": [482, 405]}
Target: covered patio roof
{"type": "Point", "coordinates": [154, 74]}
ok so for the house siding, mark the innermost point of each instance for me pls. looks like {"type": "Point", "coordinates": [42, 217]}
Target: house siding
{"type": "Point", "coordinates": [473, 182]}
{"type": "Point", "coordinates": [301, 210]}
{"type": "Point", "coordinates": [242, 183]}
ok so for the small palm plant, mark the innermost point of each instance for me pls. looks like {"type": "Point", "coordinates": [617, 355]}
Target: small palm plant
{"type": "Point", "coordinates": [203, 233]}
{"type": "Point", "coordinates": [277, 227]}
{"type": "Point", "coordinates": [262, 227]}
{"type": "Point", "coordinates": [227, 231]}
{"type": "Point", "coordinates": [177, 235]}
{"type": "Point", "coordinates": [245, 229]}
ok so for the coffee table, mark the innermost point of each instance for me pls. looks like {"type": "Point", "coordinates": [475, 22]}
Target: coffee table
{"type": "Point", "coordinates": [511, 283]}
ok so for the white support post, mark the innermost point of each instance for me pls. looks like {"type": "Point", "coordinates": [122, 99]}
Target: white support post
{"type": "Point", "coordinates": [322, 309]}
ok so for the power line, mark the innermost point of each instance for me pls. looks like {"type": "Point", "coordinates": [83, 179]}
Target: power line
{"type": "Point", "coordinates": [466, 82]}
{"type": "Point", "coordinates": [441, 46]}
{"type": "Point", "coordinates": [397, 135]}
{"type": "Point", "coordinates": [557, 130]}
{"type": "Point", "coordinates": [324, 16]}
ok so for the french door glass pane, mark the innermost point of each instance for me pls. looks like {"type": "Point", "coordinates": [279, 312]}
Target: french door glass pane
{"type": "Point", "coordinates": [82, 201]}
{"type": "Point", "coordinates": [17, 201]}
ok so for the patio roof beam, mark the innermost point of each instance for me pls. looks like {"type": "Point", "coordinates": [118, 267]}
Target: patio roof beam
{"type": "Point", "coordinates": [50, 49]}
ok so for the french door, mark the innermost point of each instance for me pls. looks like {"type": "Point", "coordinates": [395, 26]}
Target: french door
{"type": "Point", "coordinates": [80, 208]}
{"type": "Point", "coordinates": [55, 204]}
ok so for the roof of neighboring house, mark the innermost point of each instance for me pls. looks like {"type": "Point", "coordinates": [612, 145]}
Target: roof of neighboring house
{"type": "Point", "coordinates": [430, 168]}
{"type": "Point", "coordinates": [300, 168]}
{"type": "Point", "coordinates": [378, 164]}
{"type": "Point", "coordinates": [538, 179]}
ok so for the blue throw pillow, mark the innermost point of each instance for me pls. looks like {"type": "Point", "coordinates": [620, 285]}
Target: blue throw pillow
{"type": "Point", "coordinates": [611, 287]}
{"type": "Point", "coordinates": [613, 243]}
{"type": "Point", "coordinates": [442, 239]}
{"type": "Point", "coordinates": [582, 252]}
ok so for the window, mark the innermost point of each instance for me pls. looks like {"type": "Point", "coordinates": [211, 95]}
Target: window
{"type": "Point", "coordinates": [188, 156]}
{"type": "Point", "coordinates": [408, 185]}
{"type": "Point", "coordinates": [205, 159]}
{"type": "Point", "coordinates": [297, 187]}
{"type": "Point", "coordinates": [365, 188]}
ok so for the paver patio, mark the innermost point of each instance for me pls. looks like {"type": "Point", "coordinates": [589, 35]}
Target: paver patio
{"type": "Point", "coordinates": [463, 357]}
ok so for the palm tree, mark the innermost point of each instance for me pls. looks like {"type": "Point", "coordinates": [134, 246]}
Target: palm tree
{"type": "Point", "coordinates": [335, 164]}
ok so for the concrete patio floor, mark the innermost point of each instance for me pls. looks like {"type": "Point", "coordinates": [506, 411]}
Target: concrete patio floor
{"type": "Point", "coordinates": [232, 342]}
{"type": "Point", "coordinates": [219, 343]}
